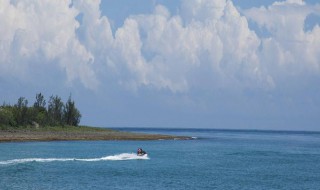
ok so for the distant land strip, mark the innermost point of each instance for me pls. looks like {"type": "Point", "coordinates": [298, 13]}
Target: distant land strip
{"type": "Point", "coordinates": [73, 133]}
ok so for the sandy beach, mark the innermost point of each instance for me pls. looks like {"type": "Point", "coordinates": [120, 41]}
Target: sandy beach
{"type": "Point", "coordinates": [75, 133]}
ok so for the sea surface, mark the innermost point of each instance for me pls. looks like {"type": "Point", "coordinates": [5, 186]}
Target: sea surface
{"type": "Point", "coordinates": [215, 159]}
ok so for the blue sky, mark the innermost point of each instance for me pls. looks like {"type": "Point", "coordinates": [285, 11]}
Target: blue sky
{"type": "Point", "coordinates": [138, 63]}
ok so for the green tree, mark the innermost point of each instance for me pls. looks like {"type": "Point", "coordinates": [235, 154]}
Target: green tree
{"type": "Point", "coordinates": [55, 111]}
{"type": "Point", "coordinates": [39, 111]}
{"type": "Point", "coordinates": [20, 111]}
{"type": "Point", "coordinates": [56, 114]}
{"type": "Point", "coordinates": [40, 102]}
{"type": "Point", "coordinates": [72, 115]}
{"type": "Point", "coordinates": [6, 116]}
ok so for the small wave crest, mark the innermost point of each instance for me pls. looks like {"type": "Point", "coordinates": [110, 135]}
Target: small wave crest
{"type": "Point", "coordinates": [123, 156]}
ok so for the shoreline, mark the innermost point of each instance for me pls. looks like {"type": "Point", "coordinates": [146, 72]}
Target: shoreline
{"type": "Point", "coordinates": [80, 133]}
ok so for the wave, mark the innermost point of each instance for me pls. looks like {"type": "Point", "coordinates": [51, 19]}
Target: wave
{"type": "Point", "coordinates": [123, 156]}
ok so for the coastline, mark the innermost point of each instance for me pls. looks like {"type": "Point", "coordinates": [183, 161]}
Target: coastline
{"type": "Point", "coordinates": [80, 133]}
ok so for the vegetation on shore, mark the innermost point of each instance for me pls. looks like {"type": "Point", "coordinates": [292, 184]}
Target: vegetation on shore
{"type": "Point", "coordinates": [56, 121]}
{"type": "Point", "coordinates": [56, 113]}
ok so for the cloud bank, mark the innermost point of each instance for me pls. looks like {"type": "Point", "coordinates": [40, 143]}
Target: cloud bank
{"type": "Point", "coordinates": [205, 63]}
{"type": "Point", "coordinates": [209, 44]}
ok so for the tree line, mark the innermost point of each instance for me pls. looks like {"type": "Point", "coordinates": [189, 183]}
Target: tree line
{"type": "Point", "coordinates": [55, 113]}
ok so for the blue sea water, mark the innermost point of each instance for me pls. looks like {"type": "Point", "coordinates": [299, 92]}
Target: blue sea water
{"type": "Point", "coordinates": [216, 159]}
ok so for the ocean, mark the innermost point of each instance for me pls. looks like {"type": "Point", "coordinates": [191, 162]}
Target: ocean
{"type": "Point", "coordinates": [214, 159]}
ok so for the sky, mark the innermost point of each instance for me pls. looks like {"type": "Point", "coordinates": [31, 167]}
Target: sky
{"type": "Point", "coordinates": [227, 64]}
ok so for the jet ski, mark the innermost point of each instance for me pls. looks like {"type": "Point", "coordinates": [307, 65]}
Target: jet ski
{"type": "Point", "coordinates": [141, 152]}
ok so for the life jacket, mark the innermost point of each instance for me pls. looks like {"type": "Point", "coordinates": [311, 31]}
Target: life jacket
{"type": "Point", "coordinates": [142, 152]}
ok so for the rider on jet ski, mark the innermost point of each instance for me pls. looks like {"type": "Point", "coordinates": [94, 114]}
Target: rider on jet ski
{"type": "Point", "coordinates": [141, 152]}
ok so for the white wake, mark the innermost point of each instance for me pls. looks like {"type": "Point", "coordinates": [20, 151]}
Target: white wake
{"type": "Point", "coordinates": [123, 156]}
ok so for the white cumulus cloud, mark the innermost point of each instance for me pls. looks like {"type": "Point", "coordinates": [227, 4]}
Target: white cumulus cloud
{"type": "Point", "coordinates": [289, 50]}
{"type": "Point", "coordinates": [207, 45]}
{"type": "Point", "coordinates": [171, 51]}
{"type": "Point", "coordinates": [39, 32]}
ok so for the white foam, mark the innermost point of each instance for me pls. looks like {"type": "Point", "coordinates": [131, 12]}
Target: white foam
{"type": "Point", "coordinates": [25, 160]}
{"type": "Point", "coordinates": [126, 156]}
{"type": "Point", "coordinates": [123, 156]}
